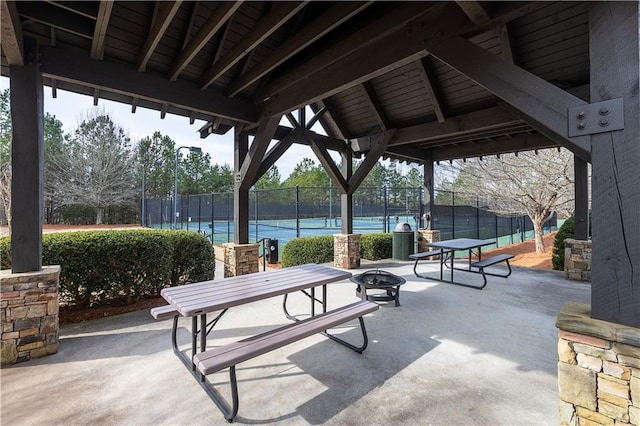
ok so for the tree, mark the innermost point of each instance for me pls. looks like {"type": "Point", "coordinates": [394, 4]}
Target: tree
{"type": "Point", "coordinates": [5, 155]}
{"type": "Point", "coordinates": [269, 180]}
{"type": "Point", "coordinates": [308, 173]}
{"type": "Point", "coordinates": [156, 155]}
{"type": "Point", "coordinates": [53, 151]}
{"type": "Point", "coordinates": [537, 183]}
{"type": "Point", "coordinates": [193, 173]}
{"type": "Point", "coordinates": [99, 168]}
{"type": "Point", "coordinates": [221, 178]}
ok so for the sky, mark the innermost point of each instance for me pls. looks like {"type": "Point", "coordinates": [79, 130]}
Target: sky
{"type": "Point", "coordinates": [70, 108]}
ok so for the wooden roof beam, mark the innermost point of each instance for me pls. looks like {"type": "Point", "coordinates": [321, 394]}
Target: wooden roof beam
{"type": "Point", "coordinates": [192, 20]}
{"type": "Point", "coordinates": [522, 142]}
{"type": "Point", "coordinates": [70, 65]}
{"type": "Point", "coordinates": [402, 46]}
{"type": "Point", "coordinates": [277, 151]}
{"type": "Point", "coordinates": [475, 11]}
{"type": "Point", "coordinates": [59, 18]}
{"type": "Point", "coordinates": [327, 162]}
{"type": "Point", "coordinates": [373, 155]}
{"type": "Point", "coordinates": [273, 20]}
{"type": "Point", "coordinates": [537, 99]}
{"type": "Point", "coordinates": [86, 9]}
{"type": "Point", "coordinates": [326, 22]}
{"type": "Point", "coordinates": [505, 43]}
{"type": "Point", "coordinates": [161, 23]}
{"type": "Point", "coordinates": [374, 105]}
{"type": "Point", "coordinates": [252, 161]}
{"type": "Point", "coordinates": [11, 35]}
{"type": "Point", "coordinates": [432, 88]}
{"type": "Point", "coordinates": [216, 20]}
{"type": "Point", "coordinates": [100, 29]}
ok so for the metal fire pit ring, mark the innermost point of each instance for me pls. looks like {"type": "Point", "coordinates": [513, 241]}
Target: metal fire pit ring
{"type": "Point", "coordinates": [378, 280]}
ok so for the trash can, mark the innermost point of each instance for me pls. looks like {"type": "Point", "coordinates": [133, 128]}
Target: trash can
{"type": "Point", "coordinates": [402, 244]}
{"type": "Point", "coordinates": [271, 250]}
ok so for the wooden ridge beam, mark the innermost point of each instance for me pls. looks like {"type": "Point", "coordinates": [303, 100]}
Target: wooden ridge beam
{"type": "Point", "coordinates": [11, 35]}
{"type": "Point", "coordinates": [216, 20]}
{"type": "Point", "coordinates": [378, 29]}
{"type": "Point", "coordinates": [396, 49]}
{"type": "Point", "coordinates": [322, 25]}
{"type": "Point", "coordinates": [266, 26]}
{"type": "Point", "coordinates": [71, 65]}
{"type": "Point", "coordinates": [251, 163]}
{"type": "Point", "coordinates": [474, 10]}
{"type": "Point", "coordinates": [327, 162]}
{"type": "Point", "coordinates": [161, 23]}
{"type": "Point", "coordinates": [526, 92]}
{"type": "Point", "coordinates": [100, 29]}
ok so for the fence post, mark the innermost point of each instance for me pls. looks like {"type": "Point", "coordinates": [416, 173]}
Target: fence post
{"type": "Point", "coordinates": [385, 219]}
{"type": "Point", "coordinates": [228, 216]}
{"type": "Point", "coordinates": [297, 211]}
{"type": "Point", "coordinates": [212, 216]}
{"type": "Point", "coordinates": [161, 212]}
{"type": "Point", "coordinates": [255, 211]}
{"type": "Point", "coordinates": [497, 239]}
{"type": "Point", "coordinates": [453, 214]}
{"type": "Point", "coordinates": [420, 209]}
{"type": "Point", "coordinates": [477, 218]}
{"type": "Point", "coordinates": [199, 211]}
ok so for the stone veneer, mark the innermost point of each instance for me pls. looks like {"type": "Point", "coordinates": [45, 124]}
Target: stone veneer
{"type": "Point", "coordinates": [29, 314]}
{"type": "Point", "coordinates": [426, 236]}
{"type": "Point", "coordinates": [599, 369]}
{"type": "Point", "coordinates": [240, 259]}
{"type": "Point", "coordinates": [346, 251]}
{"type": "Point", "coordinates": [577, 260]}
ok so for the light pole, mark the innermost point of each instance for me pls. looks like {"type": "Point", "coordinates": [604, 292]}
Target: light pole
{"type": "Point", "coordinates": [175, 183]}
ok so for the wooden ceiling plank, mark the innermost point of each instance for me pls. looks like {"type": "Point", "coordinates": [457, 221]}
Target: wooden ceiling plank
{"type": "Point", "coordinates": [70, 65]}
{"type": "Point", "coordinates": [100, 29]}
{"type": "Point", "coordinates": [216, 20]}
{"type": "Point", "coordinates": [59, 18]}
{"type": "Point", "coordinates": [380, 28]}
{"type": "Point", "coordinates": [161, 23]}
{"type": "Point", "coordinates": [11, 35]}
{"type": "Point", "coordinates": [407, 44]}
{"type": "Point", "coordinates": [475, 11]}
{"type": "Point", "coordinates": [372, 100]}
{"type": "Point", "coordinates": [535, 97]}
{"type": "Point", "coordinates": [252, 161]}
{"type": "Point", "coordinates": [192, 20]}
{"type": "Point", "coordinates": [326, 22]}
{"type": "Point", "coordinates": [327, 162]}
{"type": "Point", "coordinates": [432, 87]}
{"type": "Point", "coordinates": [273, 20]}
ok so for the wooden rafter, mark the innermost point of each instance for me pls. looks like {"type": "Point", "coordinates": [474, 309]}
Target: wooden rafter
{"type": "Point", "coordinates": [505, 43]}
{"type": "Point", "coordinates": [432, 87]}
{"type": "Point", "coordinates": [326, 22]}
{"type": "Point", "coordinates": [161, 23]}
{"type": "Point", "coordinates": [372, 157]}
{"type": "Point", "coordinates": [12, 41]}
{"type": "Point", "coordinates": [59, 18]}
{"type": "Point", "coordinates": [370, 96]}
{"type": "Point", "coordinates": [277, 151]}
{"type": "Point", "coordinates": [275, 18]}
{"type": "Point", "coordinates": [100, 29]}
{"type": "Point", "coordinates": [327, 162]}
{"type": "Point", "coordinates": [475, 11]}
{"type": "Point", "coordinates": [251, 163]}
{"type": "Point", "coordinates": [331, 118]}
{"type": "Point", "coordinates": [192, 21]}
{"type": "Point", "coordinates": [69, 64]}
{"type": "Point", "coordinates": [216, 20]}
{"type": "Point", "coordinates": [543, 102]}
{"type": "Point", "coordinates": [317, 115]}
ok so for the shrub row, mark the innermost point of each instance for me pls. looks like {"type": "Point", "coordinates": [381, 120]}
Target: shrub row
{"type": "Point", "coordinates": [567, 230]}
{"type": "Point", "coordinates": [319, 249]}
{"type": "Point", "coordinates": [99, 266]}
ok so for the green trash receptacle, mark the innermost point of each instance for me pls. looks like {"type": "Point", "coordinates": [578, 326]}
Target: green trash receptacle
{"type": "Point", "coordinates": [402, 244]}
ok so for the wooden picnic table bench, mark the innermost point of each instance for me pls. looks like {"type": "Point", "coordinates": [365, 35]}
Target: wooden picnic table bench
{"type": "Point", "coordinates": [198, 299]}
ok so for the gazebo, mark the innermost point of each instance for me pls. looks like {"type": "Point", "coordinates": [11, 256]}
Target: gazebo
{"type": "Point", "coordinates": [419, 81]}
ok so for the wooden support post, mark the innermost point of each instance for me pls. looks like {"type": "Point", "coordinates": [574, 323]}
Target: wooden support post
{"type": "Point", "coordinates": [581, 182]}
{"type": "Point", "coordinates": [240, 194]}
{"type": "Point", "coordinates": [346, 199]}
{"type": "Point", "coordinates": [27, 162]}
{"type": "Point", "coordinates": [428, 200]}
{"type": "Point", "coordinates": [614, 48]}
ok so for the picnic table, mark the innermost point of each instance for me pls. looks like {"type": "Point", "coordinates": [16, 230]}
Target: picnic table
{"type": "Point", "coordinates": [447, 249]}
{"type": "Point", "coordinates": [199, 299]}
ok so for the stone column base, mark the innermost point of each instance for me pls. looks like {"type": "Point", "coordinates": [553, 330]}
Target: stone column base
{"type": "Point", "coordinates": [346, 251]}
{"type": "Point", "coordinates": [599, 369]}
{"type": "Point", "coordinates": [29, 314]}
{"type": "Point", "coordinates": [240, 259]}
{"type": "Point", "coordinates": [577, 260]}
{"type": "Point", "coordinates": [427, 236]}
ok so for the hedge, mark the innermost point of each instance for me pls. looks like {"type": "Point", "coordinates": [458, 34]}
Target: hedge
{"type": "Point", "coordinates": [98, 266]}
{"type": "Point", "coordinates": [567, 230]}
{"type": "Point", "coordinates": [319, 249]}
{"type": "Point", "coordinates": [376, 246]}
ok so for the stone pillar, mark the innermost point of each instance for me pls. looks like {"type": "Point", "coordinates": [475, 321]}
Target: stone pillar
{"type": "Point", "coordinates": [29, 314]}
{"type": "Point", "coordinates": [599, 369]}
{"type": "Point", "coordinates": [427, 236]}
{"type": "Point", "coordinates": [240, 259]}
{"type": "Point", "coordinates": [577, 260]}
{"type": "Point", "coordinates": [346, 251]}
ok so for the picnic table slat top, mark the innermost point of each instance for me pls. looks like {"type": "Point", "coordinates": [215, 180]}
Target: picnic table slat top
{"type": "Point", "coordinates": [461, 243]}
{"type": "Point", "coordinates": [215, 295]}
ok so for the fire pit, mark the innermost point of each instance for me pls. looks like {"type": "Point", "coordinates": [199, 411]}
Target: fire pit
{"type": "Point", "coordinates": [378, 280]}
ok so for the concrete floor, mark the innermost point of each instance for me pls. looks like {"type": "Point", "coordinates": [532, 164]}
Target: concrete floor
{"type": "Point", "coordinates": [448, 355]}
